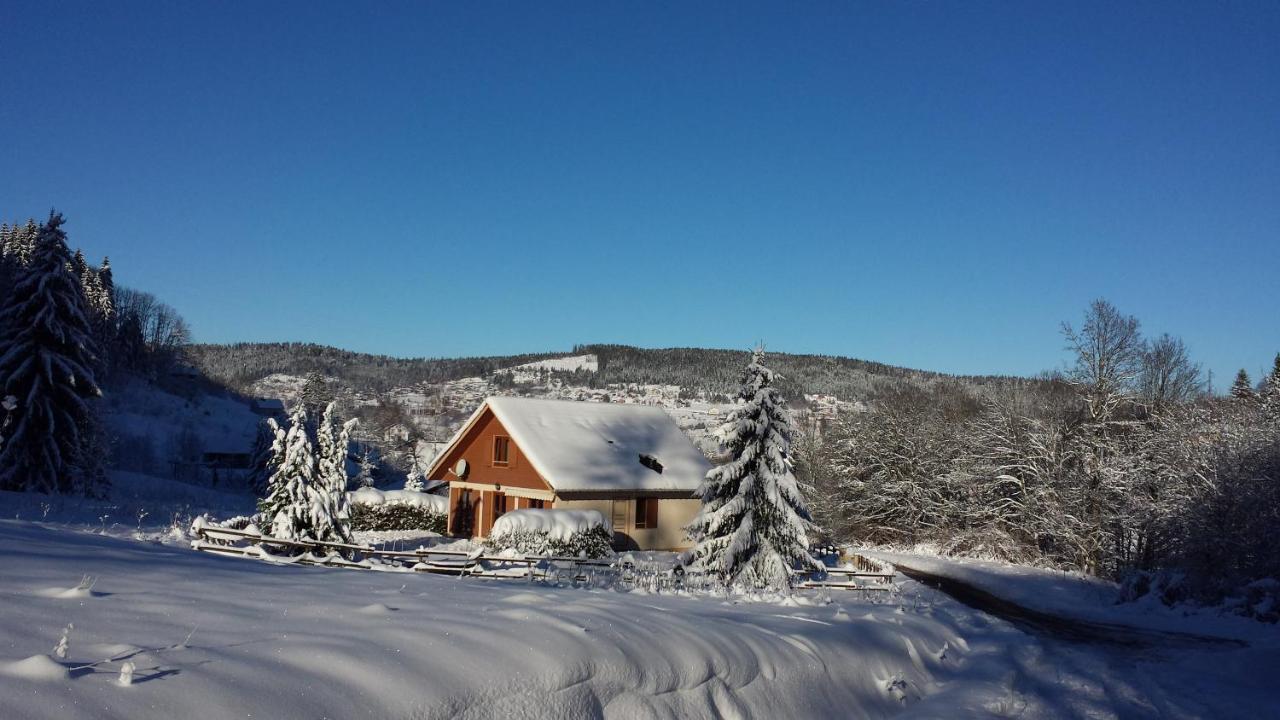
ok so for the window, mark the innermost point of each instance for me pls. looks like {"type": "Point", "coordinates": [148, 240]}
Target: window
{"type": "Point", "coordinates": [646, 513]}
{"type": "Point", "coordinates": [537, 504]}
{"type": "Point", "coordinates": [501, 450]}
{"type": "Point", "coordinates": [499, 505]}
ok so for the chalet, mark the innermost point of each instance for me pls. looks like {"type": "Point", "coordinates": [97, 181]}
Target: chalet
{"type": "Point", "coordinates": [629, 462]}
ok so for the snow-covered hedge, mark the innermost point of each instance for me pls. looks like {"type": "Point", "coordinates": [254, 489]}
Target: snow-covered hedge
{"type": "Point", "coordinates": [374, 496]}
{"type": "Point", "coordinates": [373, 509]}
{"type": "Point", "coordinates": [565, 533]}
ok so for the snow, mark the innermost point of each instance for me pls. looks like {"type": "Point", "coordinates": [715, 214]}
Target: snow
{"type": "Point", "coordinates": [558, 524]}
{"type": "Point", "coordinates": [1079, 597]}
{"type": "Point", "coordinates": [40, 668]}
{"type": "Point", "coordinates": [374, 496]}
{"type": "Point", "coordinates": [565, 364]}
{"type": "Point", "coordinates": [137, 408]}
{"type": "Point", "coordinates": [225, 638]}
{"type": "Point", "coordinates": [582, 446]}
{"type": "Point", "coordinates": [215, 637]}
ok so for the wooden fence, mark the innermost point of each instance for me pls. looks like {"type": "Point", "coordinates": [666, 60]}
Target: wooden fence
{"type": "Point", "coordinates": [862, 573]}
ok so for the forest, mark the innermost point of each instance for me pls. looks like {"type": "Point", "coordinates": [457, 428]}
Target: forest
{"type": "Point", "coordinates": [68, 333]}
{"type": "Point", "coordinates": [1128, 468]}
{"type": "Point", "coordinates": [710, 372]}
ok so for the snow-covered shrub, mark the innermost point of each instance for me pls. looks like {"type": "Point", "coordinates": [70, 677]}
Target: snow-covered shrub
{"type": "Point", "coordinates": [1261, 600]}
{"type": "Point", "coordinates": [1167, 588]}
{"type": "Point", "coordinates": [557, 533]}
{"type": "Point", "coordinates": [239, 522]}
{"type": "Point", "coordinates": [373, 509]}
{"type": "Point", "coordinates": [397, 516]}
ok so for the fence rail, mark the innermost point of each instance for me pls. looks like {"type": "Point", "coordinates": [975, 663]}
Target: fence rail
{"type": "Point", "coordinates": [862, 573]}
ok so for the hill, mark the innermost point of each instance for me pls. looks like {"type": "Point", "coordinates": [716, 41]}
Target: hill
{"type": "Point", "coordinates": [697, 371]}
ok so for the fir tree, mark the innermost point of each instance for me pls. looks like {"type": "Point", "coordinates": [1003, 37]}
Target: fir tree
{"type": "Point", "coordinates": [752, 527]}
{"type": "Point", "coordinates": [365, 475]}
{"type": "Point", "coordinates": [47, 364]}
{"type": "Point", "coordinates": [265, 457]}
{"type": "Point", "coordinates": [276, 497]}
{"type": "Point", "coordinates": [329, 512]}
{"type": "Point", "coordinates": [1242, 388]}
{"type": "Point", "coordinates": [315, 394]}
{"type": "Point", "coordinates": [415, 481]}
{"type": "Point", "coordinates": [79, 267]}
{"type": "Point", "coordinates": [294, 485]}
{"type": "Point", "coordinates": [1270, 393]}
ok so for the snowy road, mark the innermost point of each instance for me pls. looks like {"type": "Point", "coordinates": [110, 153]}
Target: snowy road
{"type": "Point", "coordinates": [1074, 668]}
{"type": "Point", "coordinates": [1056, 627]}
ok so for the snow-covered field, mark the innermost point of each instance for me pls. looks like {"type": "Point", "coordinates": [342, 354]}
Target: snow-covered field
{"type": "Point", "coordinates": [215, 637]}
{"type": "Point", "coordinates": [588, 363]}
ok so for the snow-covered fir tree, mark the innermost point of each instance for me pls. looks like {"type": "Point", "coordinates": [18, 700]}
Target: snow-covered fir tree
{"type": "Point", "coordinates": [365, 474]}
{"type": "Point", "coordinates": [1242, 388]}
{"type": "Point", "coordinates": [294, 484]}
{"type": "Point", "coordinates": [330, 514]}
{"type": "Point", "coordinates": [307, 494]}
{"type": "Point", "coordinates": [47, 357]}
{"type": "Point", "coordinates": [266, 456]}
{"type": "Point", "coordinates": [1270, 393]}
{"type": "Point", "coordinates": [752, 528]}
{"type": "Point", "coordinates": [276, 494]}
{"type": "Point", "coordinates": [414, 481]}
{"type": "Point", "coordinates": [315, 394]}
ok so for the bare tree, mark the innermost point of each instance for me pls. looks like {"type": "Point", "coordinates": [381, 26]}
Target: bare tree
{"type": "Point", "coordinates": [1168, 375]}
{"type": "Point", "coordinates": [1108, 351]}
{"type": "Point", "coordinates": [151, 335]}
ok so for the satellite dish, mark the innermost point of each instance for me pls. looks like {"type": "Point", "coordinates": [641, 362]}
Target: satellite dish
{"type": "Point", "coordinates": [461, 469]}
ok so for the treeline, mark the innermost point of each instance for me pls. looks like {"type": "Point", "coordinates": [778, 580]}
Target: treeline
{"type": "Point", "coordinates": [239, 365]}
{"type": "Point", "coordinates": [712, 373]}
{"type": "Point", "coordinates": [65, 330]}
{"type": "Point", "coordinates": [1135, 472]}
{"type": "Point", "coordinates": [715, 373]}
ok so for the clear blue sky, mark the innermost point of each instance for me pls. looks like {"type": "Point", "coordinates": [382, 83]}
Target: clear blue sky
{"type": "Point", "coordinates": [935, 184]}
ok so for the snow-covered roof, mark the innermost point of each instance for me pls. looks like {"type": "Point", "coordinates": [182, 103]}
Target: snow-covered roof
{"type": "Point", "coordinates": [599, 447]}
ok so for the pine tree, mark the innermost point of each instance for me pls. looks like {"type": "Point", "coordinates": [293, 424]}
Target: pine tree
{"type": "Point", "coordinates": [79, 267]}
{"type": "Point", "coordinates": [365, 476]}
{"type": "Point", "coordinates": [1270, 393]}
{"type": "Point", "coordinates": [47, 364]}
{"type": "Point", "coordinates": [1242, 388]}
{"type": "Point", "coordinates": [265, 457]}
{"type": "Point", "coordinates": [752, 527]}
{"type": "Point", "coordinates": [414, 481]}
{"type": "Point", "coordinates": [315, 394]}
{"type": "Point", "coordinates": [8, 266]}
{"type": "Point", "coordinates": [294, 485]}
{"type": "Point", "coordinates": [276, 493]}
{"type": "Point", "coordinates": [329, 512]}
{"type": "Point", "coordinates": [103, 321]}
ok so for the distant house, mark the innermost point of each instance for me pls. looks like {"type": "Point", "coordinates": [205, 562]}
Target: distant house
{"type": "Point", "coordinates": [397, 434]}
{"type": "Point", "coordinates": [630, 462]}
{"type": "Point", "coordinates": [268, 407]}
